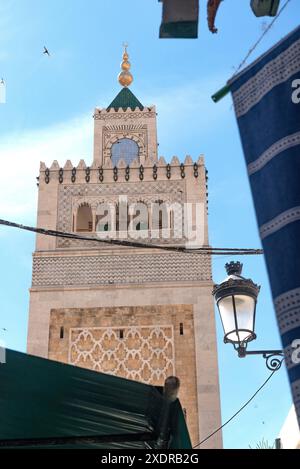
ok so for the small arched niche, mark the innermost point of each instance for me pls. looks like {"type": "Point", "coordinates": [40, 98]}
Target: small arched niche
{"type": "Point", "coordinates": [139, 216]}
{"type": "Point", "coordinates": [161, 219]}
{"type": "Point", "coordinates": [84, 218]}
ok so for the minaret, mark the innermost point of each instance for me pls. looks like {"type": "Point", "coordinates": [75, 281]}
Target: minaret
{"type": "Point", "coordinates": [125, 117]}
{"type": "Point", "coordinates": [139, 313]}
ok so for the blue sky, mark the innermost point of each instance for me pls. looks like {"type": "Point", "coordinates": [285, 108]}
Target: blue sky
{"type": "Point", "coordinates": [48, 115]}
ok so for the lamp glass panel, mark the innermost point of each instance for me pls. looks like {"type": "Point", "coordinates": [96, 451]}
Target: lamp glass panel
{"type": "Point", "coordinates": [225, 306]}
{"type": "Point", "coordinates": [245, 306]}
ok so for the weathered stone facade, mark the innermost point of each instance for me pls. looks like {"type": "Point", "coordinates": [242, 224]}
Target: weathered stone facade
{"type": "Point", "coordinates": [142, 313]}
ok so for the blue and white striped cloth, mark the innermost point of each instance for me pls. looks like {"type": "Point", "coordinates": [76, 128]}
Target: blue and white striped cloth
{"type": "Point", "coordinates": [267, 106]}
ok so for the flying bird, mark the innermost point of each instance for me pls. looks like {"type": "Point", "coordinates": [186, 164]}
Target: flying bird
{"type": "Point", "coordinates": [46, 51]}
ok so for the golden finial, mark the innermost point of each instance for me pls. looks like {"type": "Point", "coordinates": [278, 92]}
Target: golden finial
{"type": "Point", "coordinates": [125, 78]}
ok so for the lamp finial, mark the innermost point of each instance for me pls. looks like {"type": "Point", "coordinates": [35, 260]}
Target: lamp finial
{"type": "Point", "coordinates": [234, 268]}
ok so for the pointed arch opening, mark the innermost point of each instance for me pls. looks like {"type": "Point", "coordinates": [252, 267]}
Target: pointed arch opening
{"type": "Point", "coordinates": [84, 219]}
{"type": "Point", "coordinates": [161, 219]}
{"type": "Point", "coordinates": [138, 217]}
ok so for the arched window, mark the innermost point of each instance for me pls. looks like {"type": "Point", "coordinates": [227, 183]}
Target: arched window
{"type": "Point", "coordinates": [106, 217]}
{"type": "Point", "coordinates": [84, 218]}
{"type": "Point", "coordinates": [102, 223]}
{"type": "Point", "coordinates": [160, 215]}
{"type": "Point", "coordinates": [160, 220]}
{"type": "Point", "coordinates": [139, 216]}
{"type": "Point", "coordinates": [124, 149]}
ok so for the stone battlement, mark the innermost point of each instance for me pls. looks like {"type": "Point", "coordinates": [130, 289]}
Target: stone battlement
{"type": "Point", "coordinates": [152, 170]}
{"type": "Point", "coordinates": [149, 111]}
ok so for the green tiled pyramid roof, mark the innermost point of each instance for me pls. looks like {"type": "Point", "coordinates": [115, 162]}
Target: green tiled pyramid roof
{"type": "Point", "coordinates": [125, 99]}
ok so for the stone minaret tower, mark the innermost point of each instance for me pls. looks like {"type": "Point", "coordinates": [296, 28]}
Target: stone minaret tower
{"type": "Point", "coordinates": [141, 313]}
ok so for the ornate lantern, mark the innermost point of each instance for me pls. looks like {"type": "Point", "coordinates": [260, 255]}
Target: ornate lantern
{"type": "Point", "coordinates": [236, 299]}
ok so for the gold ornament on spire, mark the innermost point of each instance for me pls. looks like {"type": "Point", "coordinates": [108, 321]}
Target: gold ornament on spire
{"type": "Point", "coordinates": [125, 78]}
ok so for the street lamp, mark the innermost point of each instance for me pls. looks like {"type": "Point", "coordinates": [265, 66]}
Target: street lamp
{"type": "Point", "coordinates": [236, 299]}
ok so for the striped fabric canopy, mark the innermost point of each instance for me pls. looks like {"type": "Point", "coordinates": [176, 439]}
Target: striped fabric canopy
{"type": "Point", "coordinates": [266, 98]}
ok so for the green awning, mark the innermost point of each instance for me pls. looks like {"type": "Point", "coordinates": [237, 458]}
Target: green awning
{"type": "Point", "coordinates": [50, 404]}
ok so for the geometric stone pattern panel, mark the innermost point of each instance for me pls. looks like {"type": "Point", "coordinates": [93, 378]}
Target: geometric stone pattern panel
{"type": "Point", "coordinates": [163, 332]}
{"type": "Point", "coordinates": [169, 191]}
{"type": "Point", "coordinates": [119, 269]}
{"type": "Point", "coordinates": [140, 353]}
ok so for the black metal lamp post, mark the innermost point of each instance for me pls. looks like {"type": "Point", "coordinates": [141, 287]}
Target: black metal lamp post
{"type": "Point", "coordinates": [236, 299]}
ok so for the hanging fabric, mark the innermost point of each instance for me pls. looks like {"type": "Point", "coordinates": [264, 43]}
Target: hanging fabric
{"type": "Point", "coordinates": [266, 98]}
{"type": "Point", "coordinates": [212, 8]}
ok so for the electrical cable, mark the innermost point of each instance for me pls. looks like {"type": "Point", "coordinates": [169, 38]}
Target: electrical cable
{"type": "Point", "coordinates": [202, 250]}
{"type": "Point", "coordinates": [260, 38]}
{"type": "Point", "coordinates": [240, 410]}
{"type": "Point", "coordinates": [226, 89]}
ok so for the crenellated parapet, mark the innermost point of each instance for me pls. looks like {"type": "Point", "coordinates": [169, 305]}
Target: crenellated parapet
{"type": "Point", "coordinates": [133, 172]}
{"type": "Point", "coordinates": [124, 113]}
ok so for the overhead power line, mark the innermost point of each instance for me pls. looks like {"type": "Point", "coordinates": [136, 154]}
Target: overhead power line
{"type": "Point", "coordinates": [261, 37]}
{"type": "Point", "coordinates": [201, 250]}
{"type": "Point", "coordinates": [226, 89]}
{"type": "Point", "coordinates": [240, 410]}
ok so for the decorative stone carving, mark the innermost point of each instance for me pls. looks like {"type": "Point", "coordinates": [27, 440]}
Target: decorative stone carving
{"type": "Point", "coordinates": [124, 115]}
{"type": "Point", "coordinates": [140, 353]}
{"type": "Point", "coordinates": [108, 269]}
{"type": "Point", "coordinates": [70, 197]}
{"type": "Point", "coordinates": [112, 134]}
